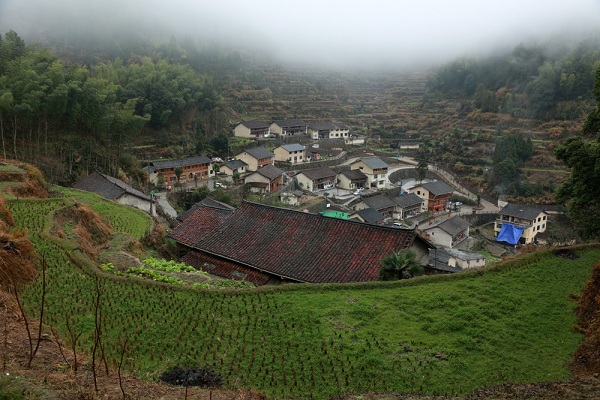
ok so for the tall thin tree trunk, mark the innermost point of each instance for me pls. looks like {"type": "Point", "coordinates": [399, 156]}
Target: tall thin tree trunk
{"type": "Point", "coordinates": [2, 132]}
{"type": "Point", "coordinates": [15, 137]}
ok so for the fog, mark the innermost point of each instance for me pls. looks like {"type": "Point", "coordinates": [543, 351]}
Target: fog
{"type": "Point", "coordinates": [338, 33]}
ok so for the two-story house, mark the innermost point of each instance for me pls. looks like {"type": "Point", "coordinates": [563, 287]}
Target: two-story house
{"type": "Point", "coordinates": [436, 195]}
{"type": "Point", "coordinates": [237, 166]}
{"type": "Point", "coordinates": [381, 203]}
{"type": "Point", "coordinates": [407, 205]}
{"type": "Point", "coordinates": [256, 158]}
{"type": "Point", "coordinates": [327, 130]}
{"type": "Point", "coordinates": [374, 168]}
{"type": "Point", "coordinates": [252, 129]}
{"type": "Point", "coordinates": [198, 167]}
{"type": "Point", "coordinates": [316, 179]}
{"type": "Point", "coordinates": [289, 127]}
{"type": "Point", "coordinates": [290, 153]}
{"type": "Point", "coordinates": [352, 179]}
{"type": "Point", "coordinates": [448, 233]}
{"type": "Point", "coordinates": [265, 180]}
{"type": "Point", "coordinates": [519, 223]}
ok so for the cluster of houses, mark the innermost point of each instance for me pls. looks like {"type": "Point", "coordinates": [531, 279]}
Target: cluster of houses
{"type": "Point", "coordinates": [266, 245]}
{"type": "Point", "coordinates": [257, 129]}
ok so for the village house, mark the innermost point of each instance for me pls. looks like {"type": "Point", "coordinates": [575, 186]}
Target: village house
{"type": "Point", "coordinates": [436, 195]}
{"type": "Point", "coordinates": [269, 245]}
{"type": "Point", "coordinates": [252, 129]}
{"type": "Point", "coordinates": [293, 198]}
{"type": "Point", "coordinates": [375, 170]}
{"type": "Point", "coordinates": [454, 260]}
{"type": "Point", "coordinates": [290, 153]}
{"type": "Point", "coordinates": [234, 166]}
{"type": "Point", "coordinates": [351, 179]}
{"type": "Point", "coordinates": [193, 168]}
{"type": "Point", "coordinates": [449, 232]}
{"type": "Point", "coordinates": [407, 205]}
{"type": "Point", "coordinates": [115, 189]}
{"type": "Point", "coordinates": [289, 127]}
{"type": "Point", "coordinates": [518, 223]}
{"type": "Point", "coordinates": [256, 158]}
{"type": "Point", "coordinates": [316, 179]}
{"type": "Point", "coordinates": [369, 216]}
{"type": "Point", "coordinates": [381, 203]}
{"type": "Point", "coordinates": [327, 130]}
{"type": "Point", "coordinates": [265, 180]}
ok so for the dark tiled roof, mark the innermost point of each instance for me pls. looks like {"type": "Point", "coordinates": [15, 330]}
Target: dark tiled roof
{"type": "Point", "coordinates": [521, 211]}
{"type": "Point", "coordinates": [370, 215]}
{"type": "Point", "coordinates": [107, 186]}
{"type": "Point", "coordinates": [354, 174]}
{"type": "Point", "coordinates": [302, 246]}
{"type": "Point", "coordinates": [184, 162]}
{"type": "Point", "coordinates": [224, 268]}
{"type": "Point", "coordinates": [437, 188]}
{"type": "Point", "coordinates": [374, 162]}
{"type": "Point", "coordinates": [453, 226]}
{"type": "Point", "coordinates": [318, 173]}
{"type": "Point", "coordinates": [379, 202]}
{"type": "Point", "coordinates": [255, 124]}
{"type": "Point", "coordinates": [293, 147]}
{"type": "Point", "coordinates": [269, 171]}
{"type": "Point", "coordinates": [259, 152]}
{"type": "Point", "coordinates": [286, 123]}
{"type": "Point", "coordinates": [207, 202]}
{"type": "Point", "coordinates": [201, 222]}
{"type": "Point", "coordinates": [408, 200]}
{"type": "Point", "coordinates": [235, 164]}
{"type": "Point", "coordinates": [321, 126]}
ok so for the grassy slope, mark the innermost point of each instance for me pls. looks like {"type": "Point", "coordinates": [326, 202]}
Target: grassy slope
{"type": "Point", "coordinates": [437, 334]}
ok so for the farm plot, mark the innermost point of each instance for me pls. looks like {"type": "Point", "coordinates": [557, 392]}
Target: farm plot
{"type": "Point", "coordinates": [438, 335]}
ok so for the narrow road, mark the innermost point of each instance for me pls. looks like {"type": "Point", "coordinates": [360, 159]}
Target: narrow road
{"type": "Point", "coordinates": [164, 204]}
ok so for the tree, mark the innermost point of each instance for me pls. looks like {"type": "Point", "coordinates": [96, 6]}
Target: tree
{"type": "Point", "coordinates": [398, 265]}
{"type": "Point", "coordinates": [423, 165]}
{"type": "Point", "coordinates": [581, 191]}
{"type": "Point", "coordinates": [178, 171]}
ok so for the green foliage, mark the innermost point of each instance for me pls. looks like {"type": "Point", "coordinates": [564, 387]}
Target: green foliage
{"type": "Point", "coordinates": [169, 265]}
{"type": "Point", "coordinates": [402, 264]}
{"type": "Point", "coordinates": [550, 80]}
{"type": "Point", "coordinates": [581, 191]}
{"type": "Point", "coordinates": [439, 335]}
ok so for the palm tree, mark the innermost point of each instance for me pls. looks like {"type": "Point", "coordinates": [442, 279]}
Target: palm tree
{"type": "Point", "coordinates": [401, 264]}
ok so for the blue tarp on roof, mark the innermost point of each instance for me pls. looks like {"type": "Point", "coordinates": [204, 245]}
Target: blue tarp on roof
{"type": "Point", "coordinates": [509, 233]}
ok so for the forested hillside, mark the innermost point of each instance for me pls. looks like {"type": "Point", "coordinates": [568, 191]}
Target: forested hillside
{"type": "Point", "coordinates": [534, 81]}
{"type": "Point", "coordinates": [74, 106]}
{"type": "Point", "coordinates": [70, 118]}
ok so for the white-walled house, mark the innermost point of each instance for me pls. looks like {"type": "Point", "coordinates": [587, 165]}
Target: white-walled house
{"type": "Point", "coordinates": [256, 158]}
{"type": "Point", "coordinates": [448, 233]}
{"type": "Point", "coordinates": [374, 168]}
{"type": "Point", "coordinates": [288, 127]}
{"type": "Point", "coordinates": [252, 129]}
{"type": "Point", "coordinates": [290, 153]}
{"type": "Point", "coordinates": [519, 218]}
{"type": "Point", "coordinates": [317, 179]}
{"type": "Point", "coordinates": [328, 130]}
{"type": "Point", "coordinates": [115, 189]}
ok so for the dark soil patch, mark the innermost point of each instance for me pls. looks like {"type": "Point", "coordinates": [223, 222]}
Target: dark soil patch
{"type": "Point", "coordinates": [566, 253]}
{"type": "Point", "coordinates": [191, 377]}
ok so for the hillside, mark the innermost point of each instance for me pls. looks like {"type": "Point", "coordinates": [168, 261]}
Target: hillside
{"type": "Point", "coordinates": [444, 335]}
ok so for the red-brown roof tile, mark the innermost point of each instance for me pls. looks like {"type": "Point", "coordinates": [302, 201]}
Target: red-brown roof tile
{"type": "Point", "coordinates": [301, 246]}
{"type": "Point", "coordinates": [199, 224]}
